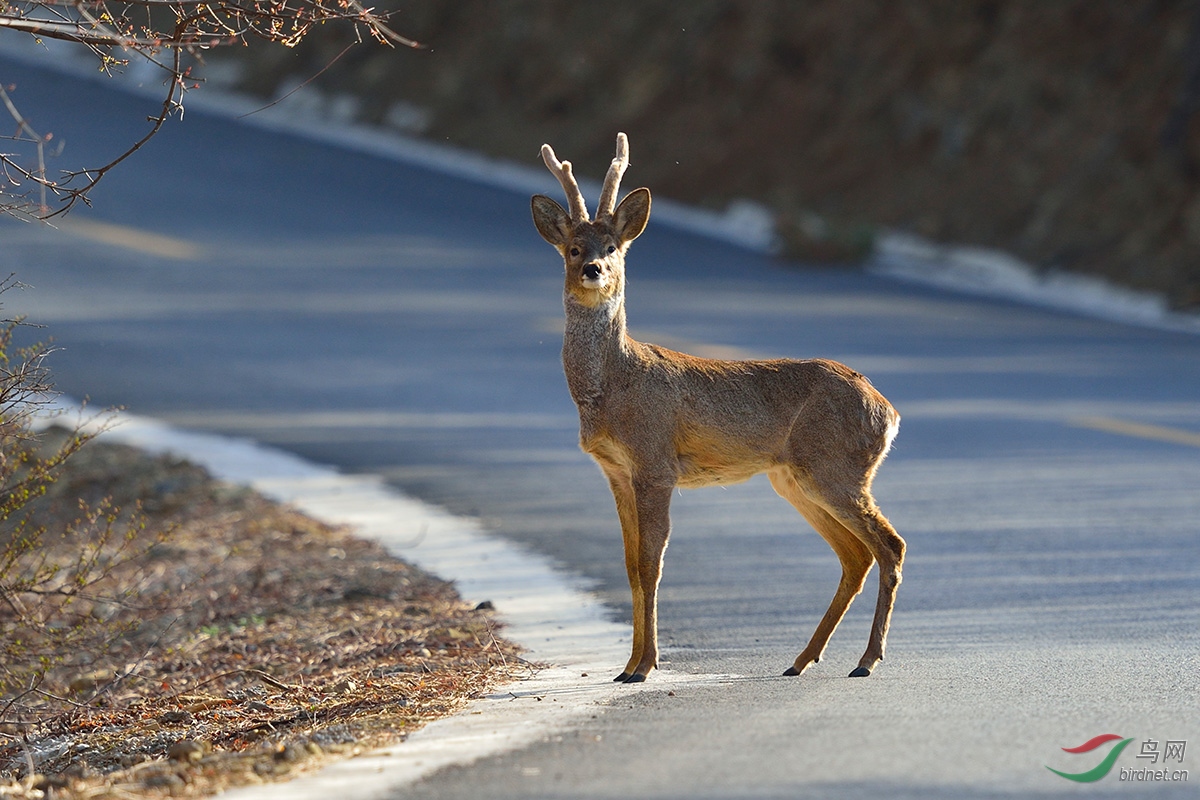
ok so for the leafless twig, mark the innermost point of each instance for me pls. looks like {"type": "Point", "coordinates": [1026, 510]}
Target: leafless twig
{"type": "Point", "coordinates": [170, 35]}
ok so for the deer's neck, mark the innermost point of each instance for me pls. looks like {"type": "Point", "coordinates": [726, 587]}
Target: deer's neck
{"type": "Point", "coordinates": [595, 344]}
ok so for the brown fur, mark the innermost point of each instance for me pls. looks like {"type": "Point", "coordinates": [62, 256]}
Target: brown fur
{"type": "Point", "coordinates": [654, 419]}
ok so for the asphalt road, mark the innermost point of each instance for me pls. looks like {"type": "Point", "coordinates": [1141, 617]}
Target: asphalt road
{"type": "Point", "coordinates": [383, 318]}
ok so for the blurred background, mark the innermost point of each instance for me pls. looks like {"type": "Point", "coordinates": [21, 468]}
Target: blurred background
{"type": "Point", "coordinates": [1064, 132]}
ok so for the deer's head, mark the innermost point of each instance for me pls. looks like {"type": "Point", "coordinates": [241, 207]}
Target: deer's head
{"type": "Point", "coordinates": [593, 250]}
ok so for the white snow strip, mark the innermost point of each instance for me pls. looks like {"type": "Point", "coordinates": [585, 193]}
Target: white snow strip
{"type": "Point", "coordinates": [543, 609]}
{"type": "Point", "coordinates": [995, 273]}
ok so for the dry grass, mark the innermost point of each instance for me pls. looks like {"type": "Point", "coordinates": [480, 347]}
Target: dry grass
{"type": "Point", "coordinates": [258, 643]}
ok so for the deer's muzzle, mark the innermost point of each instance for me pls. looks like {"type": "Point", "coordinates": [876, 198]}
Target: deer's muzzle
{"type": "Point", "coordinates": [593, 276]}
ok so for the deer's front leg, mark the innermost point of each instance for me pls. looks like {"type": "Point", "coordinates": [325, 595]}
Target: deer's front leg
{"type": "Point", "coordinates": [622, 489]}
{"type": "Point", "coordinates": [652, 502]}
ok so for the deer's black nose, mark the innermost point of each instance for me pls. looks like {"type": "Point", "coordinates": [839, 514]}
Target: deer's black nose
{"type": "Point", "coordinates": [591, 271]}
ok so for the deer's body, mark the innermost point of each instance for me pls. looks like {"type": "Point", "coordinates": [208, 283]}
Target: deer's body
{"type": "Point", "coordinates": [655, 419]}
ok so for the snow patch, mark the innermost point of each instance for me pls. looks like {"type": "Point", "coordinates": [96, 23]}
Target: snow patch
{"type": "Point", "coordinates": [994, 273]}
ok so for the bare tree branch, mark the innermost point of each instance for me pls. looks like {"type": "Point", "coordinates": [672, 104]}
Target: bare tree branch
{"type": "Point", "coordinates": [164, 33]}
{"type": "Point", "coordinates": [93, 177]}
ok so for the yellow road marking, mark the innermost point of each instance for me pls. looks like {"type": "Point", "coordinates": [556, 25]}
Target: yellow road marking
{"type": "Point", "coordinates": [153, 244]}
{"type": "Point", "coordinates": [1158, 433]}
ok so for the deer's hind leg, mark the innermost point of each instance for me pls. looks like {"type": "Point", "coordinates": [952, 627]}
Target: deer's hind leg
{"type": "Point", "coordinates": [872, 527]}
{"type": "Point", "coordinates": [855, 557]}
{"type": "Point", "coordinates": [855, 509]}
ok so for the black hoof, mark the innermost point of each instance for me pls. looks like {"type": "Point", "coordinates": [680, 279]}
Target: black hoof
{"type": "Point", "coordinates": [624, 676]}
{"type": "Point", "coordinates": [860, 672]}
{"type": "Point", "coordinates": [791, 671]}
{"type": "Point", "coordinates": [635, 678]}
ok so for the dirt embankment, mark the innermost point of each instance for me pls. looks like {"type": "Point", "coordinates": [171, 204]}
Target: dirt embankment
{"type": "Point", "coordinates": [218, 639]}
{"type": "Point", "coordinates": [1061, 131]}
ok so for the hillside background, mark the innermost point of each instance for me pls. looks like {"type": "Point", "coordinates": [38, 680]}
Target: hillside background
{"type": "Point", "coordinates": [1064, 132]}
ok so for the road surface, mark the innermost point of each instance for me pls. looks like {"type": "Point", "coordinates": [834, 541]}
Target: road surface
{"type": "Point", "coordinates": [383, 318]}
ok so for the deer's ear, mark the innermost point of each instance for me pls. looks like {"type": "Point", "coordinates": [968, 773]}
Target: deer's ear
{"type": "Point", "coordinates": [551, 220]}
{"type": "Point", "coordinates": [632, 214]}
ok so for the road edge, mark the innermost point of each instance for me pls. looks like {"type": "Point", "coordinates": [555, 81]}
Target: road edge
{"type": "Point", "coordinates": [544, 610]}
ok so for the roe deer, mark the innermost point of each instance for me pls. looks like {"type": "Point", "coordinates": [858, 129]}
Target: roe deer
{"type": "Point", "coordinates": [654, 419]}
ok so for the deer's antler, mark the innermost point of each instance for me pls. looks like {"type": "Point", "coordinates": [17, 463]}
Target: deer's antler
{"type": "Point", "coordinates": [612, 181]}
{"type": "Point", "coordinates": [562, 171]}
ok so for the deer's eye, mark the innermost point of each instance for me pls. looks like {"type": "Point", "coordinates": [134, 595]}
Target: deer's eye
{"type": "Point", "coordinates": [574, 251]}
{"type": "Point", "coordinates": [611, 249]}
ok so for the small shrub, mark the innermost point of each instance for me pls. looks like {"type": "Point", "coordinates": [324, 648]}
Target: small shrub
{"type": "Point", "coordinates": [59, 596]}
